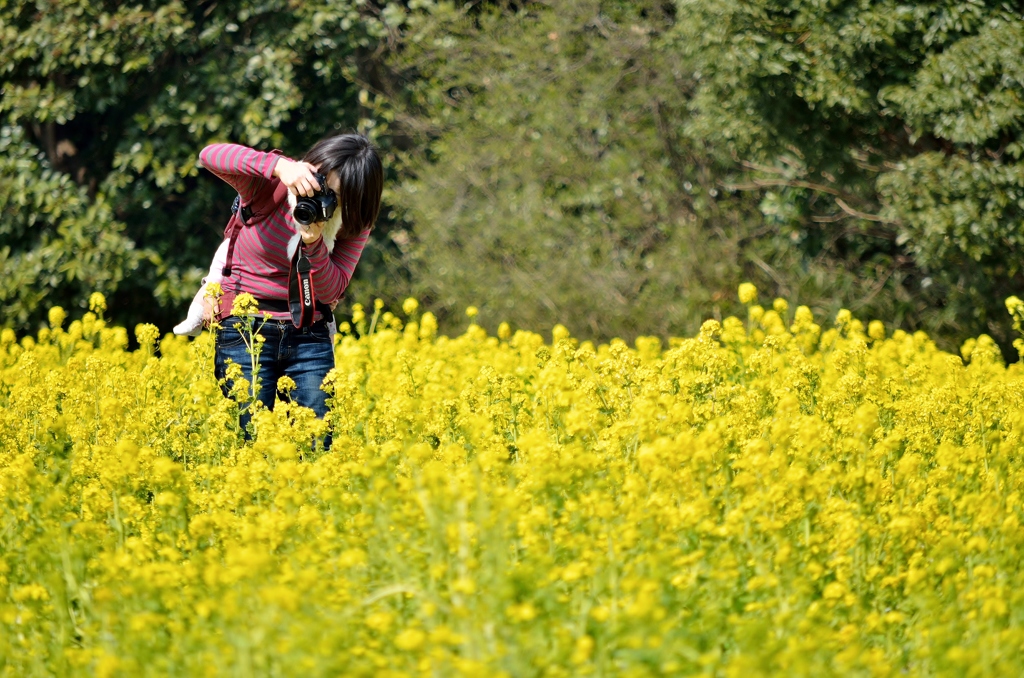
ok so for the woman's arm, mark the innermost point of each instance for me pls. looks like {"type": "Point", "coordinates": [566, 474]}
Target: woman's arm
{"type": "Point", "coordinates": [247, 170]}
{"type": "Point", "coordinates": [332, 271]}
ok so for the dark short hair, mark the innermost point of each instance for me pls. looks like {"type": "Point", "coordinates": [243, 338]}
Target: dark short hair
{"type": "Point", "coordinates": [361, 172]}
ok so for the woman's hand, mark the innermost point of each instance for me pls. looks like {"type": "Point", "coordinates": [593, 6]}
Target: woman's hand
{"type": "Point", "coordinates": [310, 233]}
{"type": "Point", "coordinates": [297, 176]}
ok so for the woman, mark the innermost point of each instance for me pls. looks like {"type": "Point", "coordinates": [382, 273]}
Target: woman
{"type": "Point", "coordinates": [260, 258]}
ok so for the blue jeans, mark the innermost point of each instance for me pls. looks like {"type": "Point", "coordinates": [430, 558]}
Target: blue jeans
{"type": "Point", "coordinates": [305, 355]}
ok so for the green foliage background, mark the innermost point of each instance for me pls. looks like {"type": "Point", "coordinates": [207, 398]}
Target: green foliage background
{"type": "Point", "coordinates": [615, 166]}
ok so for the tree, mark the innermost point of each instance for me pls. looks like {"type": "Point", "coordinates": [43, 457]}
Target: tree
{"type": "Point", "coordinates": [615, 166]}
{"type": "Point", "coordinates": [551, 184]}
{"type": "Point", "coordinates": [891, 129]}
{"type": "Point", "coordinates": [565, 179]}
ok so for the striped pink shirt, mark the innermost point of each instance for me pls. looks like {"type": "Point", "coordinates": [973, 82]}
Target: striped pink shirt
{"type": "Point", "coordinates": [260, 263]}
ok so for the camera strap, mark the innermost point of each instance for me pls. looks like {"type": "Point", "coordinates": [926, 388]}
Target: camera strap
{"type": "Point", "coordinates": [301, 295]}
{"type": "Point", "coordinates": [262, 206]}
{"type": "Point", "coordinates": [259, 208]}
{"type": "Point", "coordinates": [234, 226]}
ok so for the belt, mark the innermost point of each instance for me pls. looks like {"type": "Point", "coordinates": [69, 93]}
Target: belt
{"type": "Point", "coordinates": [282, 323]}
{"type": "Point", "coordinates": [281, 306]}
{"type": "Point", "coordinates": [273, 305]}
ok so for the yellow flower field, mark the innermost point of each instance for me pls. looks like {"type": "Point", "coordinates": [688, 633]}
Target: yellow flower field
{"type": "Point", "coordinates": [769, 497]}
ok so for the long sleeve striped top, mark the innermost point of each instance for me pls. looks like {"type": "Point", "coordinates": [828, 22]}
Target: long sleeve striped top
{"type": "Point", "coordinates": [260, 263]}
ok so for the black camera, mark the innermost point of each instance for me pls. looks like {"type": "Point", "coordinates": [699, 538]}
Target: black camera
{"type": "Point", "coordinates": [320, 207]}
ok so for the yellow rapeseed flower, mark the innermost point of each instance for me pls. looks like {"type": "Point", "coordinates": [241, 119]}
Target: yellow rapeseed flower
{"type": "Point", "coordinates": [97, 303]}
{"type": "Point", "coordinates": [410, 640]}
{"type": "Point", "coordinates": [56, 316]}
{"type": "Point", "coordinates": [516, 504]}
{"type": "Point", "coordinates": [245, 304]}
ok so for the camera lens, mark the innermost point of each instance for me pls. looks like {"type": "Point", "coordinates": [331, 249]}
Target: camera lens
{"type": "Point", "coordinates": [305, 213]}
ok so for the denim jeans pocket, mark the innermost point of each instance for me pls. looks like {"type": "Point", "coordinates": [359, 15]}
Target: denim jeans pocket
{"type": "Point", "coordinates": [320, 331]}
{"type": "Point", "coordinates": [229, 336]}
